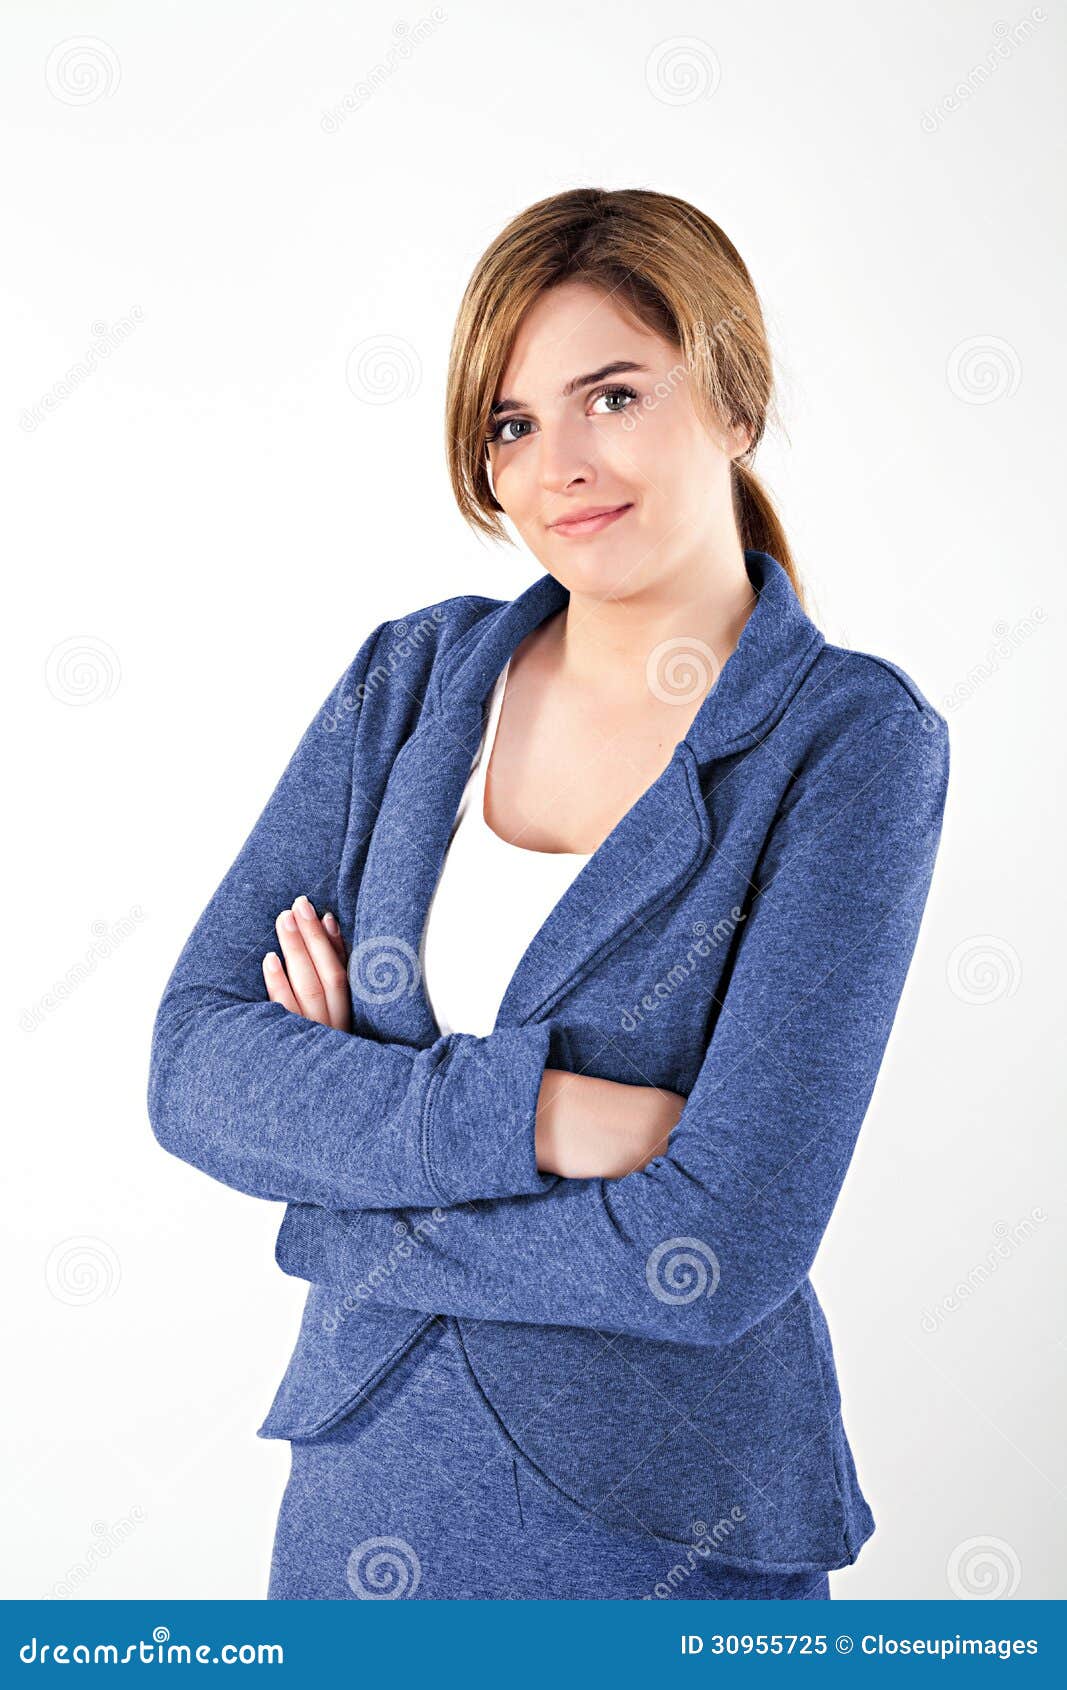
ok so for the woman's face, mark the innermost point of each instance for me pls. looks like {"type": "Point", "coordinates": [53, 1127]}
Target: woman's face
{"type": "Point", "coordinates": [631, 437]}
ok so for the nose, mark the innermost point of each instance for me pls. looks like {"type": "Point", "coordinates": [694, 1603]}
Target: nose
{"type": "Point", "coordinates": [564, 457]}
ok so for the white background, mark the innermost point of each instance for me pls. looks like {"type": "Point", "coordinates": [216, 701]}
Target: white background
{"type": "Point", "coordinates": [215, 520]}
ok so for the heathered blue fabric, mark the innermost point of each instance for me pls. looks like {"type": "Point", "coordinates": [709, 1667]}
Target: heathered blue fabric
{"type": "Point", "coordinates": [419, 1494]}
{"type": "Point", "coordinates": [652, 1345]}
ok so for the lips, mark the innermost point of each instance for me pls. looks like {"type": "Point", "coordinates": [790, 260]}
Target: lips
{"type": "Point", "coordinates": [592, 522]}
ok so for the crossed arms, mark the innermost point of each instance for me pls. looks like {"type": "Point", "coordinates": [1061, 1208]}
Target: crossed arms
{"type": "Point", "coordinates": [394, 1199]}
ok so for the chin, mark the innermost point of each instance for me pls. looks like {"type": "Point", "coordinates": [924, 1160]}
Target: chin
{"type": "Point", "coordinates": [610, 575]}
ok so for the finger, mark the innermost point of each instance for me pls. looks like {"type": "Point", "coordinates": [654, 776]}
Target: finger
{"type": "Point", "coordinates": [320, 980]}
{"type": "Point", "coordinates": [277, 983]}
{"type": "Point", "coordinates": [307, 987]}
{"type": "Point", "coordinates": [329, 961]}
{"type": "Point", "coordinates": [329, 921]}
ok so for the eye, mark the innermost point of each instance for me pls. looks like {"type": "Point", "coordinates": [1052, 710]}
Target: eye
{"type": "Point", "coordinates": [497, 433]}
{"type": "Point", "coordinates": [625, 395]}
{"type": "Point", "coordinates": [614, 393]}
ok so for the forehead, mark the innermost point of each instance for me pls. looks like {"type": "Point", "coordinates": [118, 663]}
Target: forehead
{"type": "Point", "coordinates": [571, 328]}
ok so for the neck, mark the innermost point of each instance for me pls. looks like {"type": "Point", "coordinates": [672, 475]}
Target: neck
{"type": "Point", "coordinates": [623, 646]}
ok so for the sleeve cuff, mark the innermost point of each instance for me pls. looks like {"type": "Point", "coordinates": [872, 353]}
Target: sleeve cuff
{"type": "Point", "coordinates": [483, 1113]}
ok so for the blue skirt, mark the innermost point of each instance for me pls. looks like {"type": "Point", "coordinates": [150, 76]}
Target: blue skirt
{"type": "Point", "coordinates": [420, 1493]}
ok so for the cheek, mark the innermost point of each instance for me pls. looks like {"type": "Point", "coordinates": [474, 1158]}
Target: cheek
{"type": "Point", "coordinates": [667, 457]}
{"type": "Point", "coordinates": [520, 491]}
{"type": "Point", "coordinates": [648, 457]}
{"type": "Point", "coordinates": [508, 480]}
{"type": "Point", "coordinates": [517, 491]}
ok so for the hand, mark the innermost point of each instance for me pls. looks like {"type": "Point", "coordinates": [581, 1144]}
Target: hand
{"type": "Point", "coordinates": [316, 985]}
{"type": "Point", "coordinates": [588, 1128]}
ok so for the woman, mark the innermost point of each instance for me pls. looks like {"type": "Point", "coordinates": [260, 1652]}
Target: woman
{"type": "Point", "coordinates": [592, 910]}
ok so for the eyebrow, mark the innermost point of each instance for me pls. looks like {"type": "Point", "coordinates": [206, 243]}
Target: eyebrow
{"type": "Point", "coordinates": [619, 367]}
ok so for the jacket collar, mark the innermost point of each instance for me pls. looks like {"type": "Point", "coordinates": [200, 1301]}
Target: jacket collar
{"type": "Point", "coordinates": [778, 645]}
{"type": "Point", "coordinates": [655, 848]}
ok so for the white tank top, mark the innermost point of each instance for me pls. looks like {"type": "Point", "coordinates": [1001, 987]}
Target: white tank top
{"type": "Point", "coordinates": [490, 900]}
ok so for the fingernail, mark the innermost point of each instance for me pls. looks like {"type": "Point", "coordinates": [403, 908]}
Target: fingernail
{"type": "Point", "coordinates": [303, 906]}
{"type": "Point", "coordinates": [329, 921]}
{"type": "Point", "coordinates": [271, 962]}
{"type": "Point", "coordinates": [288, 921]}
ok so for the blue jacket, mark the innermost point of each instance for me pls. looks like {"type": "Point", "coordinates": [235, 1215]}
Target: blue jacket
{"type": "Point", "coordinates": [742, 937]}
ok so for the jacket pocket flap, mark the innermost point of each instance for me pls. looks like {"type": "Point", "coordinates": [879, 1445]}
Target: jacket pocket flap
{"type": "Point", "coordinates": [339, 1355]}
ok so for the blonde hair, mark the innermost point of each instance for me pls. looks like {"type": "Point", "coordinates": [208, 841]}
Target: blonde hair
{"type": "Point", "coordinates": [675, 272]}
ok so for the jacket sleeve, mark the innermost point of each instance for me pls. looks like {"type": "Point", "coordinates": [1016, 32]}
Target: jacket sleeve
{"type": "Point", "coordinates": [716, 1233]}
{"type": "Point", "coordinates": [286, 1108]}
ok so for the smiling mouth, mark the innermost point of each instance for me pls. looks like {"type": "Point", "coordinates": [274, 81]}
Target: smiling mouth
{"type": "Point", "coordinates": [591, 524]}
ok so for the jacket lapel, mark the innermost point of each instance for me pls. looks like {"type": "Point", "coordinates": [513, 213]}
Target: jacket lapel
{"type": "Point", "coordinates": [649, 855]}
